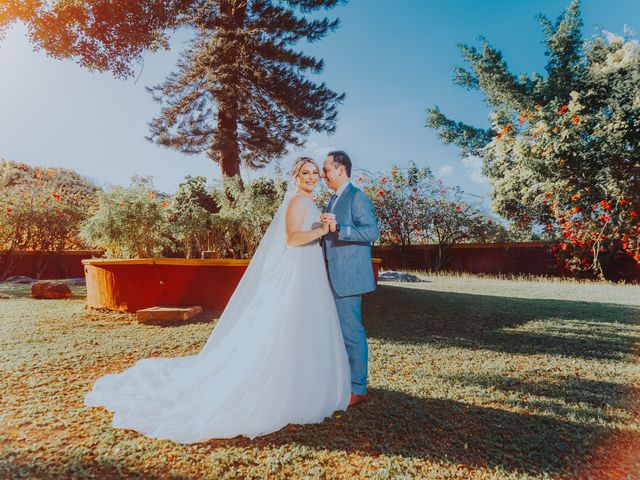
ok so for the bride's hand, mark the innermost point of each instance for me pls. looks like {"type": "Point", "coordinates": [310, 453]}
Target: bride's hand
{"type": "Point", "coordinates": [323, 228]}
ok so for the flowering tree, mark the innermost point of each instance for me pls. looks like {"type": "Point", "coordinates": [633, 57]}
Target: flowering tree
{"type": "Point", "coordinates": [130, 222]}
{"type": "Point", "coordinates": [456, 220]}
{"type": "Point", "coordinates": [41, 209]}
{"type": "Point", "coordinates": [401, 200]}
{"type": "Point", "coordinates": [413, 207]}
{"type": "Point", "coordinates": [563, 152]}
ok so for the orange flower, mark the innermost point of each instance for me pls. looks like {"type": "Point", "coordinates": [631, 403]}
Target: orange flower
{"type": "Point", "coordinates": [563, 109]}
{"type": "Point", "coordinates": [9, 210]}
{"type": "Point", "coordinates": [38, 174]}
{"type": "Point", "coordinates": [56, 196]}
{"type": "Point", "coordinates": [380, 193]}
{"type": "Point", "coordinates": [575, 119]}
{"type": "Point", "coordinates": [633, 214]}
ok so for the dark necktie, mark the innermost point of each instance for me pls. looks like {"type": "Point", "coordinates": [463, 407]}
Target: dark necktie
{"type": "Point", "coordinates": [331, 202]}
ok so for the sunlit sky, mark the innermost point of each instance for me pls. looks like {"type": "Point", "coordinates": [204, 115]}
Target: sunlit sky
{"type": "Point", "coordinates": [392, 58]}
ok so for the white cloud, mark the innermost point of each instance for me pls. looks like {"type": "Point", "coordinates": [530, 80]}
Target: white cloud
{"type": "Point", "coordinates": [474, 169]}
{"type": "Point", "coordinates": [445, 170]}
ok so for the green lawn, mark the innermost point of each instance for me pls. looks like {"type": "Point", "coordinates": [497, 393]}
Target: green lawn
{"type": "Point", "coordinates": [469, 378]}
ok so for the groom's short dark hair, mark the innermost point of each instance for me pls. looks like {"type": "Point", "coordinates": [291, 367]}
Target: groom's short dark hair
{"type": "Point", "coordinates": [340, 157]}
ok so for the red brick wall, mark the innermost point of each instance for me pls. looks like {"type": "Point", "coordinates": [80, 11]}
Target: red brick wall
{"type": "Point", "coordinates": [65, 265]}
{"type": "Point", "coordinates": [521, 257]}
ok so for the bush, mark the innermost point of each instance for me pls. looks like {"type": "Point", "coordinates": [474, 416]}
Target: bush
{"type": "Point", "coordinates": [130, 221]}
{"type": "Point", "coordinates": [42, 209]}
{"type": "Point", "coordinates": [192, 218]}
{"type": "Point", "coordinates": [244, 214]}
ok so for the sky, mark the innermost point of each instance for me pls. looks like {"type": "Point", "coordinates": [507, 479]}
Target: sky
{"type": "Point", "coordinates": [392, 58]}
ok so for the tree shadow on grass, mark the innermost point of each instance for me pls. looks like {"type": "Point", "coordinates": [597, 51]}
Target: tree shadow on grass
{"type": "Point", "coordinates": [396, 423]}
{"type": "Point", "coordinates": [566, 389]}
{"type": "Point", "coordinates": [591, 330]}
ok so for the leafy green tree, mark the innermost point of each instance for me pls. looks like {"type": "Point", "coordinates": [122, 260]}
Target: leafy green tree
{"type": "Point", "coordinates": [192, 216]}
{"type": "Point", "coordinates": [241, 92]}
{"type": "Point", "coordinates": [244, 214]}
{"type": "Point", "coordinates": [562, 153]}
{"type": "Point", "coordinates": [130, 222]}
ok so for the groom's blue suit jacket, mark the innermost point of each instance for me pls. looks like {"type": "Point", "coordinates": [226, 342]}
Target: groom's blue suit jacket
{"type": "Point", "coordinates": [349, 255]}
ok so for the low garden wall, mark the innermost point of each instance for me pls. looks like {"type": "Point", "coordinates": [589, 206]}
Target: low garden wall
{"type": "Point", "coordinates": [507, 258]}
{"type": "Point", "coordinates": [66, 264]}
{"type": "Point", "coordinates": [521, 257]}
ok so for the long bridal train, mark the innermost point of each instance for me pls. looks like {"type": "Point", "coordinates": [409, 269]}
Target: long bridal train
{"type": "Point", "coordinates": [276, 356]}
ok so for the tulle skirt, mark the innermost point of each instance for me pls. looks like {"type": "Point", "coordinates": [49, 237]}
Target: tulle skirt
{"type": "Point", "coordinates": [279, 359]}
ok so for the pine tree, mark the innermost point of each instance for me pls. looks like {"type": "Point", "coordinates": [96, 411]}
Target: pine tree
{"type": "Point", "coordinates": [241, 92]}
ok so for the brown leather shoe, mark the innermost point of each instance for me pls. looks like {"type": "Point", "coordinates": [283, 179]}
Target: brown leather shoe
{"type": "Point", "coordinates": [356, 399]}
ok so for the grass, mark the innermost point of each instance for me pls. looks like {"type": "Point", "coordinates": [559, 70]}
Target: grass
{"type": "Point", "coordinates": [470, 377]}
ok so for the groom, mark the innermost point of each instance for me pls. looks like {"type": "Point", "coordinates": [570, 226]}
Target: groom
{"type": "Point", "coordinates": [347, 250]}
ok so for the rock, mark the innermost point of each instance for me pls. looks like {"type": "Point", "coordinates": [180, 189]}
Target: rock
{"type": "Point", "coordinates": [392, 276]}
{"type": "Point", "coordinates": [50, 290]}
{"type": "Point", "coordinates": [20, 279]}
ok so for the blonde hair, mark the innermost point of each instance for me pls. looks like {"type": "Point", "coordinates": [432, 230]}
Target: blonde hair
{"type": "Point", "coordinates": [299, 162]}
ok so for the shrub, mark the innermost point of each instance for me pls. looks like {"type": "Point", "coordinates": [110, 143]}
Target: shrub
{"type": "Point", "coordinates": [244, 214]}
{"type": "Point", "coordinates": [130, 221]}
{"type": "Point", "coordinates": [192, 218]}
{"type": "Point", "coordinates": [41, 209]}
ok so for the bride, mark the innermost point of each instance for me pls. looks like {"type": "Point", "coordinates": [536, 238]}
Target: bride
{"type": "Point", "coordinates": [275, 357]}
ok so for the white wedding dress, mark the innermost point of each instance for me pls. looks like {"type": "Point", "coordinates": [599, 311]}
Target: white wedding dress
{"type": "Point", "coordinates": [275, 357]}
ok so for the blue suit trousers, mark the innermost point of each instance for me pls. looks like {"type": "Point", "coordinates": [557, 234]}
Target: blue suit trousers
{"type": "Point", "coordinates": [350, 313]}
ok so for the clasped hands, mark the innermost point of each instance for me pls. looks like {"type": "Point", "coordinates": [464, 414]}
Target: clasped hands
{"type": "Point", "coordinates": [328, 222]}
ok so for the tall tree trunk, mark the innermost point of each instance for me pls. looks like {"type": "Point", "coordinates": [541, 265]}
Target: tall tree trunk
{"type": "Point", "coordinates": [228, 138]}
{"type": "Point", "coordinates": [234, 13]}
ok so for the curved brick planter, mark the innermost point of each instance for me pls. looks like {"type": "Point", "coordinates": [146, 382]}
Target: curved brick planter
{"type": "Point", "coordinates": [131, 285]}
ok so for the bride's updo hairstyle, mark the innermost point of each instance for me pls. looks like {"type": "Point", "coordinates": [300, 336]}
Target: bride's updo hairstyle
{"type": "Point", "coordinates": [299, 162]}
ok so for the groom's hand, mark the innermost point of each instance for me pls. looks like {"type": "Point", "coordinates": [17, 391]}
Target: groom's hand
{"type": "Point", "coordinates": [327, 217]}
